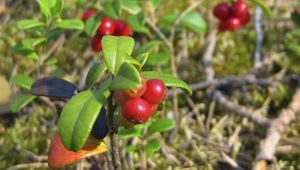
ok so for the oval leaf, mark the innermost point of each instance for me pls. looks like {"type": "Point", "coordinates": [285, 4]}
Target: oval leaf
{"type": "Point", "coordinates": [115, 51]}
{"type": "Point", "coordinates": [95, 73]}
{"type": "Point", "coordinates": [29, 23]}
{"type": "Point", "coordinates": [78, 116]}
{"type": "Point", "coordinates": [135, 131]}
{"type": "Point", "coordinates": [128, 77]}
{"type": "Point", "coordinates": [22, 80]}
{"type": "Point", "coordinates": [69, 24]}
{"type": "Point", "coordinates": [53, 87]}
{"type": "Point", "coordinates": [161, 125]}
{"type": "Point", "coordinates": [168, 79]}
{"type": "Point", "coordinates": [21, 102]}
{"type": "Point", "coordinates": [152, 146]}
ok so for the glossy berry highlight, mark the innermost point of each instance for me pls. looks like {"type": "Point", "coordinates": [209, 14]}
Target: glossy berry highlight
{"type": "Point", "coordinates": [156, 91]}
{"type": "Point", "coordinates": [107, 27]}
{"type": "Point", "coordinates": [136, 110]}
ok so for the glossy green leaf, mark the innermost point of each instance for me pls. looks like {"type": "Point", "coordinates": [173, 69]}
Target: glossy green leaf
{"type": "Point", "coordinates": [158, 58]}
{"type": "Point", "coordinates": [161, 125]}
{"type": "Point", "coordinates": [146, 47]}
{"type": "Point", "coordinates": [57, 8]}
{"type": "Point", "coordinates": [109, 11]}
{"type": "Point", "coordinates": [128, 77]}
{"type": "Point", "coordinates": [29, 23]}
{"type": "Point", "coordinates": [33, 41]}
{"type": "Point", "coordinates": [78, 116]}
{"type": "Point", "coordinates": [29, 52]}
{"type": "Point", "coordinates": [45, 6]}
{"type": "Point", "coordinates": [23, 81]}
{"type": "Point", "coordinates": [137, 23]}
{"type": "Point", "coordinates": [50, 61]}
{"type": "Point", "coordinates": [92, 25]}
{"type": "Point", "coordinates": [69, 24]}
{"type": "Point", "coordinates": [266, 10]}
{"type": "Point", "coordinates": [151, 147]}
{"type": "Point", "coordinates": [142, 58]}
{"type": "Point", "coordinates": [21, 102]}
{"type": "Point", "coordinates": [115, 51]}
{"type": "Point", "coordinates": [133, 61]}
{"type": "Point", "coordinates": [135, 131]}
{"type": "Point", "coordinates": [168, 79]}
{"type": "Point", "coordinates": [95, 73]}
{"type": "Point", "coordinates": [131, 6]}
{"type": "Point", "coordinates": [117, 7]}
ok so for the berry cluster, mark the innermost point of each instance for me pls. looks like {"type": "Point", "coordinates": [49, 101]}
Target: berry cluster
{"type": "Point", "coordinates": [139, 104]}
{"type": "Point", "coordinates": [232, 17]}
{"type": "Point", "coordinates": [107, 27]}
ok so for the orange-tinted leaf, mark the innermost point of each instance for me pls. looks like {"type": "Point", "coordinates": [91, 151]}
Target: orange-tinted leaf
{"type": "Point", "coordinates": [59, 156]}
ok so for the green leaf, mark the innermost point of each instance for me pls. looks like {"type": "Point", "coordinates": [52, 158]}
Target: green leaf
{"type": "Point", "coordinates": [155, 3]}
{"type": "Point", "coordinates": [192, 20]}
{"type": "Point", "coordinates": [33, 41]}
{"type": "Point", "coordinates": [146, 47]}
{"type": "Point", "coordinates": [152, 146]}
{"type": "Point", "coordinates": [137, 23]}
{"type": "Point", "coordinates": [142, 58]}
{"type": "Point", "coordinates": [266, 10]}
{"type": "Point", "coordinates": [130, 149]}
{"type": "Point", "coordinates": [158, 58]}
{"type": "Point", "coordinates": [57, 8]}
{"type": "Point", "coordinates": [133, 61]}
{"type": "Point", "coordinates": [110, 11]}
{"type": "Point", "coordinates": [115, 51]}
{"type": "Point", "coordinates": [29, 52]}
{"type": "Point", "coordinates": [131, 6]}
{"type": "Point", "coordinates": [45, 6]}
{"type": "Point", "coordinates": [50, 61]}
{"type": "Point", "coordinates": [92, 25]}
{"type": "Point", "coordinates": [168, 79]}
{"type": "Point", "coordinates": [23, 81]}
{"type": "Point", "coordinates": [117, 7]}
{"type": "Point", "coordinates": [21, 102]}
{"type": "Point", "coordinates": [78, 116]}
{"type": "Point", "coordinates": [161, 125]}
{"type": "Point", "coordinates": [69, 24]}
{"type": "Point", "coordinates": [135, 131]}
{"type": "Point", "coordinates": [95, 73]}
{"type": "Point", "coordinates": [29, 23]}
{"type": "Point", "coordinates": [128, 77]}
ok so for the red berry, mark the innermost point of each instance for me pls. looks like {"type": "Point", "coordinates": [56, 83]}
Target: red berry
{"type": "Point", "coordinates": [153, 108]}
{"type": "Point", "coordinates": [156, 91]}
{"type": "Point", "coordinates": [222, 27]}
{"type": "Point", "coordinates": [122, 28]}
{"type": "Point", "coordinates": [107, 27]}
{"type": "Point", "coordinates": [239, 8]}
{"type": "Point", "coordinates": [88, 13]}
{"type": "Point", "coordinates": [233, 23]}
{"type": "Point", "coordinates": [222, 11]}
{"type": "Point", "coordinates": [245, 18]}
{"type": "Point", "coordinates": [138, 92]}
{"type": "Point", "coordinates": [136, 110]}
{"type": "Point", "coordinates": [96, 43]}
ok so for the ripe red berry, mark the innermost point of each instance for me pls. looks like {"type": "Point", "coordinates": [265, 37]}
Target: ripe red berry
{"type": "Point", "coordinates": [233, 23]}
{"type": "Point", "coordinates": [156, 91]}
{"type": "Point", "coordinates": [122, 28]}
{"type": "Point", "coordinates": [222, 11]}
{"type": "Point", "coordinates": [136, 110]}
{"type": "Point", "coordinates": [239, 8]}
{"type": "Point", "coordinates": [138, 92]}
{"type": "Point", "coordinates": [96, 43]}
{"type": "Point", "coordinates": [222, 27]}
{"type": "Point", "coordinates": [107, 27]}
{"type": "Point", "coordinates": [245, 18]}
{"type": "Point", "coordinates": [88, 13]}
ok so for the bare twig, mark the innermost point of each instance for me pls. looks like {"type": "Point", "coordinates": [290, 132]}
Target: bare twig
{"type": "Point", "coordinates": [259, 37]}
{"type": "Point", "coordinates": [35, 165]}
{"type": "Point", "coordinates": [207, 56]}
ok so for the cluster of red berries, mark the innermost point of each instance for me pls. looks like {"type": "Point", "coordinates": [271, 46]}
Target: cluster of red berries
{"type": "Point", "coordinates": [139, 104]}
{"type": "Point", "coordinates": [107, 27]}
{"type": "Point", "coordinates": [232, 17]}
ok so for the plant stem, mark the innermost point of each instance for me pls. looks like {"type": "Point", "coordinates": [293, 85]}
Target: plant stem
{"type": "Point", "coordinates": [112, 133]}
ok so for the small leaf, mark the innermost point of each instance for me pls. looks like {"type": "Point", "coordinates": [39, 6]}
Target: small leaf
{"type": "Point", "coordinates": [21, 102]}
{"type": "Point", "coordinates": [137, 23]}
{"type": "Point", "coordinates": [158, 58]}
{"type": "Point", "coordinates": [92, 25]}
{"type": "Point", "coordinates": [33, 41]}
{"type": "Point", "coordinates": [29, 52]}
{"type": "Point", "coordinates": [266, 10]}
{"type": "Point", "coordinates": [79, 115]}
{"type": "Point", "coordinates": [23, 81]}
{"type": "Point", "coordinates": [131, 6]}
{"type": "Point", "coordinates": [29, 23]}
{"type": "Point", "coordinates": [128, 77]}
{"type": "Point", "coordinates": [133, 61]}
{"type": "Point", "coordinates": [95, 73]}
{"type": "Point", "coordinates": [130, 149]}
{"type": "Point", "coordinates": [135, 131]}
{"type": "Point", "coordinates": [161, 125]}
{"type": "Point", "coordinates": [117, 7]}
{"type": "Point", "coordinates": [115, 51]}
{"type": "Point", "coordinates": [146, 47]}
{"type": "Point", "coordinates": [69, 24]}
{"type": "Point", "coordinates": [168, 79]}
{"type": "Point", "coordinates": [142, 58]}
{"type": "Point", "coordinates": [110, 11]}
{"type": "Point", "coordinates": [152, 146]}
{"type": "Point", "coordinates": [57, 8]}
{"type": "Point", "coordinates": [53, 87]}
{"type": "Point", "coordinates": [45, 6]}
